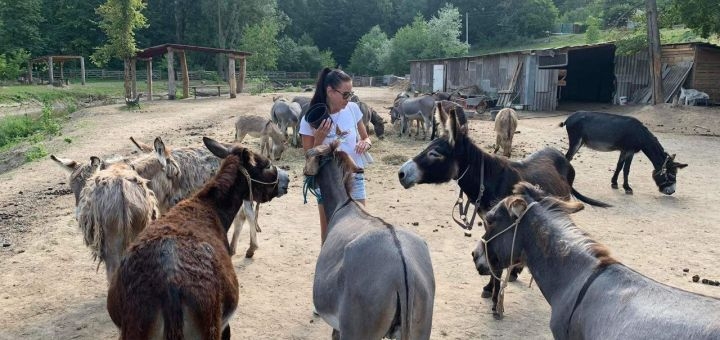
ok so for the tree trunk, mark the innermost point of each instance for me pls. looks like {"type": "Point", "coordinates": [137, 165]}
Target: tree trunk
{"type": "Point", "coordinates": [126, 77]}
{"type": "Point", "coordinates": [654, 45]}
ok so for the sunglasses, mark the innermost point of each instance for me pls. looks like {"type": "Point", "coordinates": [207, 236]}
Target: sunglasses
{"type": "Point", "coordinates": [345, 95]}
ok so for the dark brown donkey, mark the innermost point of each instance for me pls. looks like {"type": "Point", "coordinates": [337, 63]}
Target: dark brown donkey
{"type": "Point", "coordinates": [177, 280]}
{"type": "Point", "coordinates": [485, 178]}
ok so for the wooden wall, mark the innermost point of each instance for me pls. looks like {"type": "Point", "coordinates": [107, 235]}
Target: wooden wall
{"type": "Point", "coordinates": [706, 73]}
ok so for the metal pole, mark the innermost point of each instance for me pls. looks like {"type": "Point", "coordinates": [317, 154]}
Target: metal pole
{"type": "Point", "coordinates": [466, 27]}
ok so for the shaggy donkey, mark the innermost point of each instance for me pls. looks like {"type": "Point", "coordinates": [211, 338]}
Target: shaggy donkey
{"type": "Point", "coordinates": [177, 280]}
{"type": "Point", "coordinates": [196, 166]}
{"type": "Point", "coordinates": [505, 125]}
{"type": "Point", "coordinates": [372, 279]}
{"type": "Point", "coordinates": [272, 140]}
{"type": "Point", "coordinates": [591, 295]}
{"type": "Point", "coordinates": [80, 172]}
{"type": "Point", "coordinates": [114, 206]}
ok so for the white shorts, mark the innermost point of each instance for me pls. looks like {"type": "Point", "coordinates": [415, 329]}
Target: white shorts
{"type": "Point", "coordinates": [357, 191]}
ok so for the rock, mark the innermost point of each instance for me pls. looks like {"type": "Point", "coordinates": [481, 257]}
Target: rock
{"type": "Point", "coordinates": [686, 269]}
{"type": "Point", "coordinates": [6, 244]}
{"type": "Point", "coordinates": [416, 223]}
{"type": "Point", "coordinates": [696, 278]}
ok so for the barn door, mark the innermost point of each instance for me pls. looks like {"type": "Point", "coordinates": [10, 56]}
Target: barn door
{"type": "Point", "coordinates": [438, 78]}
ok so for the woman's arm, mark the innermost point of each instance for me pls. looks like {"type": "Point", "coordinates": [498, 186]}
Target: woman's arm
{"type": "Point", "coordinates": [364, 142]}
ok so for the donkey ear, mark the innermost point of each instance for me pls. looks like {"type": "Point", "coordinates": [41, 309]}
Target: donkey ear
{"type": "Point", "coordinates": [679, 165]}
{"type": "Point", "coordinates": [161, 151]}
{"type": "Point", "coordinates": [96, 163]}
{"type": "Point", "coordinates": [516, 206]}
{"type": "Point", "coordinates": [142, 146]}
{"type": "Point", "coordinates": [217, 148]}
{"type": "Point", "coordinates": [453, 128]}
{"type": "Point", "coordinates": [68, 164]}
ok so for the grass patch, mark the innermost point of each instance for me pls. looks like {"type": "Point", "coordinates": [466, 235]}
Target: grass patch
{"type": "Point", "coordinates": [15, 129]}
{"type": "Point", "coordinates": [36, 152]}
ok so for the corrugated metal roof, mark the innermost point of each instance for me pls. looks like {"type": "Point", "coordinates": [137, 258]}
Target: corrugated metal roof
{"type": "Point", "coordinates": [564, 48]}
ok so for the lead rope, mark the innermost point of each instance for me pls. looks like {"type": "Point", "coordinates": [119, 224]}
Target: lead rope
{"type": "Point", "coordinates": [463, 222]}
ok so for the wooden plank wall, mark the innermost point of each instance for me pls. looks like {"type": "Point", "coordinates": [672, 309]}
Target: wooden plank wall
{"type": "Point", "coordinates": [706, 75]}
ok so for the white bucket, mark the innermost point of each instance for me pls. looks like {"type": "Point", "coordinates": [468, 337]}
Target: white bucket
{"type": "Point", "coordinates": [623, 100]}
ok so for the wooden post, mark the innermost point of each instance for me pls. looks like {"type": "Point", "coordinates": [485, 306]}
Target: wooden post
{"type": "Point", "coordinates": [654, 45]}
{"type": "Point", "coordinates": [126, 78]}
{"type": "Point", "coordinates": [50, 67]}
{"type": "Point", "coordinates": [231, 76]}
{"type": "Point", "coordinates": [82, 69]}
{"type": "Point", "coordinates": [171, 74]}
{"type": "Point", "coordinates": [149, 79]}
{"type": "Point", "coordinates": [30, 72]}
{"type": "Point", "coordinates": [133, 77]}
{"type": "Point", "coordinates": [185, 75]}
{"type": "Point", "coordinates": [62, 72]}
{"type": "Point", "coordinates": [241, 82]}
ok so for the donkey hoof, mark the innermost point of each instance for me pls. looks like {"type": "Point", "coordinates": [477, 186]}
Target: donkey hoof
{"type": "Point", "coordinates": [249, 254]}
{"type": "Point", "coordinates": [614, 185]}
{"type": "Point", "coordinates": [628, 191]}
{"type": "Point", "coordinates": [513, 277]}
{"type": "Point", "coordinates": [497, 315]}
{"type": "Point", "coordinates": [486, 294]}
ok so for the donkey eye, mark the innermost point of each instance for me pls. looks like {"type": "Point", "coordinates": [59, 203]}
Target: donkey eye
{"type": "Point", "coordinates": [434, 154]}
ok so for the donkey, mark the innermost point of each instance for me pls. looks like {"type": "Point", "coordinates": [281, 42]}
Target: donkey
{"type": "Point", "coordinates": [197, 165]}
{"type": "Point", "coordinates": [286, 114]}
{"type": "Point", "coordinates": [80, 172]}
{"type": "Point", "coordinates": [417, 108]}
{"type": "Point", "coordinates": [265, 129]}
{"type": "Point", "coordinates": [114, 206]}
{"type": "Point", "coordinates": [371, 116]}
{"type": "Point", "coordinates": [372, 279]}
{"type": "Point", "coordinates": [177, 280]}
{"type": "Point", "coordinates": [591, 295]}
{"type": "Point", "coordinates": [505, 125]}
{"type": "Point", "coordinates": [486, 178]}
{"type": "Point", "coordinates": [609, 132]}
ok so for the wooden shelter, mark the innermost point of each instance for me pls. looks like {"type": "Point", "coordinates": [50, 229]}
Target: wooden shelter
{"type": "Point", "coordinates": [51, 60]}
{"type": "Point", "coordinates": [169, 51]}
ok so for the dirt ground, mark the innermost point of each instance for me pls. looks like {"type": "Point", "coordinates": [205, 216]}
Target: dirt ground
{"type": "Point", "coordinates": [50, 289]}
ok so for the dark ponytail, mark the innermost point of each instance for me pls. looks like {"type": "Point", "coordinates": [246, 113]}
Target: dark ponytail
{"type": "Point", "coordinates": [328, 77]}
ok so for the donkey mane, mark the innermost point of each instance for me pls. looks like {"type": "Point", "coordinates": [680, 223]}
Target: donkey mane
{"type": "Point", "coordinates": [571, 237]}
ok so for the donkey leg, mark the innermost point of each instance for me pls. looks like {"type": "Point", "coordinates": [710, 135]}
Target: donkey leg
{"type": "Point", "coordinates": [515, 272]}
{"type": "Point", "coordinates": [495, 294]}
{"type": "Point", "coordinates": [497, 144]}
{"type": "Point", "coordinates": [226, 333]}
{"type": "Point", "coordinates": [252, 225]}
{"type": "Point", "coordinates": [575, 142]}
{"type": "Point", "coordinates": [621, 161]}
{"type": "Point", "coordinates": [487, 290]}
{"type": "Point", "coordinates": [238, 223]}
{"type": "Point", "coordinates": [626, 172]}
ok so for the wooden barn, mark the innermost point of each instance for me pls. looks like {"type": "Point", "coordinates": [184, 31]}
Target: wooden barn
{"type": "Point", "coordinates": [543, 80]}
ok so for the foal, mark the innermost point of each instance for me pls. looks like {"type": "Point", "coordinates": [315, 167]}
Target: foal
{"type": "Point", "coordinates": [591, 295]}
{"type": "Point", "coordinates": [177, 280]}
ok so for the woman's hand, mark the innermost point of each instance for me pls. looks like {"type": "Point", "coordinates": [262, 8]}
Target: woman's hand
{"type": "Point", "coordinates": [322, 131]}
{"type": "Point", "coordinates": [363, 145]}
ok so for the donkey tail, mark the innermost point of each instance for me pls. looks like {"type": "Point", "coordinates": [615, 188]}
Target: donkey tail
{"type": "Point", "coordinates": [405, 303]}
{"type": "Point", "coordinates": [562, 124]}
{"type": "Point", "coordinates": [173, 314]}
{"type": "Point", "coordinates": [589, 200]}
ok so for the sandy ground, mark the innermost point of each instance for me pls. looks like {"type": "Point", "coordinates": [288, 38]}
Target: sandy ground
{"type": "Point", "coordinates": [50, 289]}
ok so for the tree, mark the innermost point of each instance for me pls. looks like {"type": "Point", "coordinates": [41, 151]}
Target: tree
{"type": "Point", "coordinates": [702, 16]}
{"type": "Point", "coordinates": [370, 53]}
{"type": "Point", "coordinates": [616, 13]}
{"type": "Point", "coordinates": [120, 19]}
{"type": "Point", "coordinates": [444, 32]}
{"type": "Point", "coordinates": [408, 43]}
{"type": "Point", "coordinates": [21, 25]}
{"type": "Point", "coordinates": [70, 27]}
{"type": "Point", "coordinates": [260, 39]}
{"type": "Point", "coordinates": [592, 35]}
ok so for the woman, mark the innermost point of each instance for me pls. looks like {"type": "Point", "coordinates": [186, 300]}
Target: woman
{"type": "Point", "coordinates": [334, 89]}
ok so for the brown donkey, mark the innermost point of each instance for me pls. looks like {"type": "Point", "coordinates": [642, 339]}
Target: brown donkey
{"type": "Point", "coordinates": [177, 280]}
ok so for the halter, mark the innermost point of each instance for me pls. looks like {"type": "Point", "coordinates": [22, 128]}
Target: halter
{"type": "Point", "coordinates": [463, 210]}
{"type": "Point", "coordinates": [501, 293]}
{"type": "Point", "coordinates": [250, 180]}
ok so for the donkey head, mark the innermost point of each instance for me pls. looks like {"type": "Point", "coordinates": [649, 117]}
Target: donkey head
{"type": "Point", "coordinates": [666, 177]}
{"type": "Point", "coordinates": [266, 180]}
{"type": "Point", "coordinates": [81, 172]}
{"type": "Point", "coordinates": [437, 163]}
{"type": "Point", "coordinates": [320, 155]}
{"type": "Point", "coordinates": [160, 167]}
{"type": "Point", "coordinates": [496, 249]}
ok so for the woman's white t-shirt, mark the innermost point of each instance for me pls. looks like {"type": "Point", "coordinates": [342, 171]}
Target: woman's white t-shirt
{"type": "Point", "coordinates": [346, 119]}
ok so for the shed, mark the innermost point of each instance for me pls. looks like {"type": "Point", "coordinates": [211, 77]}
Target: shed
{"type": "Point", "coordinates": [543, 79]}
{"type": "Point", "coordinates": [51, 60]}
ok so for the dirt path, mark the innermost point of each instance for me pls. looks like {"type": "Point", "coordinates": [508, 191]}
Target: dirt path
{"type": "Point", "coordinates": [49, 288]}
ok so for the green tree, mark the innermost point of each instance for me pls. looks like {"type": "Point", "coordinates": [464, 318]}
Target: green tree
{"type": "Point", "coordinates": [120, 19]}
{"type": "Point", "coordinates": [444, 33]}
{"type": "Point", "coordinates": [370, 53]}
{"type": "Point", "coordinates": [592, 35]}
{"type": "Point", "coordinates": [702, 16]}
{"type": "Point", "coordinates": [260, 39]}
{"type": "Point", "coordinates": [407, 44]}
{"type": "Point", "coordinates": [71, 27]}
{"type": "Point", "coordinates": [616, 13]}
{"type": "Point", "coordinates": [527, 18]}
{"type": "Point", "coordinates": [21, 25]}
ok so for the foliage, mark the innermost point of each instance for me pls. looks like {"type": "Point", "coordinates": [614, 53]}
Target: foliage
{"type": "Point", "coordinates": [302, 56]}
{"type": "Point", "coordinates": [617, 13]}
{"type": "Point", "coordinates": [703, 16]}
{"type": "Point", "coordinates": [20, 25]}
{"type": "Point", "coordinates": [12, 65]}
{"type": "Point", "coordinates": [120, 19]}
{"type": "Point", "coordinates": [71, 27]}
{"type": "Point", "coordinates": [408, 43]}
{"type": "Point", "coordinates": [14, 129]}
{"type": "Point", "coordinates": [527, 18]}
{"type": "Point", "coordinates": [371, 53]}
{"type": "Point", "coordinates": [36, 152]}
{"type": "Point", "coordinates": [592, 35]}
{"type": "Point", "coordinates": [260, 40]}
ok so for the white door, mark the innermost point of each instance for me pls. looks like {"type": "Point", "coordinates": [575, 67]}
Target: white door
{"type": "Point", "coordinates": [438, 77]}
